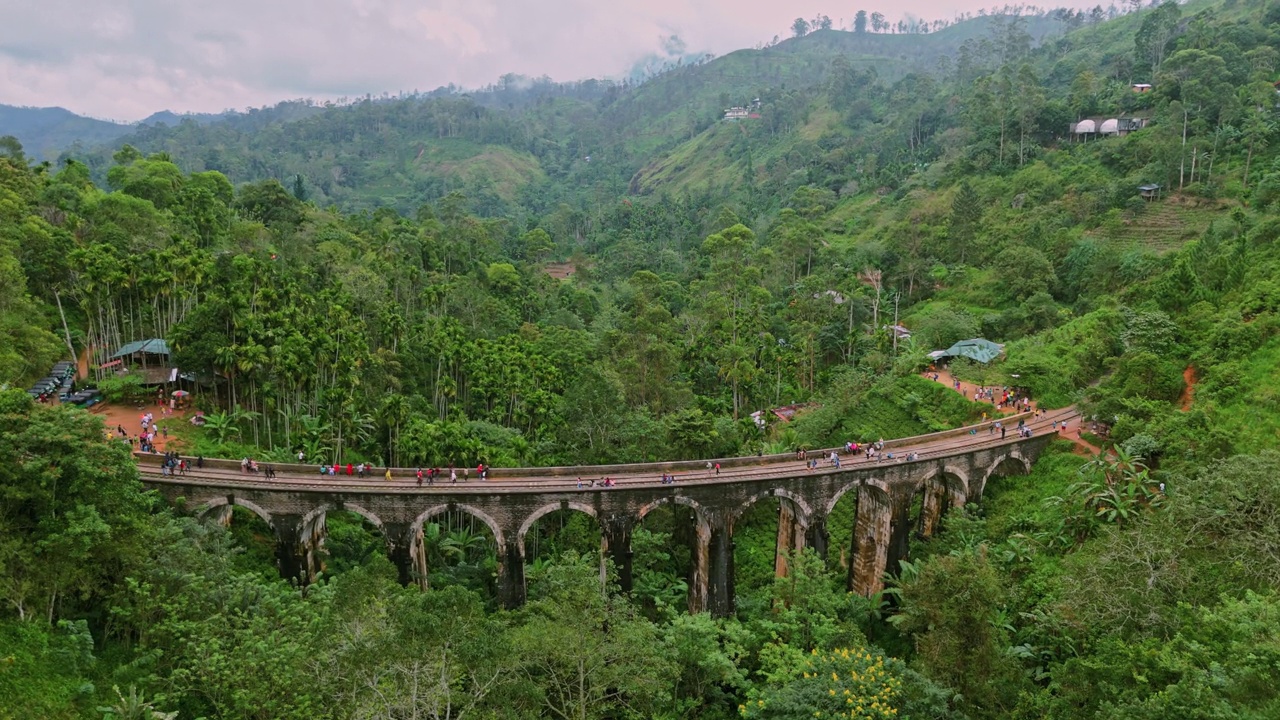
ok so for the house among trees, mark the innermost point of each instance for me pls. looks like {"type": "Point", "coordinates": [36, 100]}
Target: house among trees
{"type": "Point", "coordinates": [1108, 126]}
{"type": "Point", "coordinates": [1142, 87]}
{"type": "Point", "coordinates": [148, 358]}
{"type": "Point", "coordinates": [1149, 192]}
{"type": "Point", "coordinates": [738, 112]}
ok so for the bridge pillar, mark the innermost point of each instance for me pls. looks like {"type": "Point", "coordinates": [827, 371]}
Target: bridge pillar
{"type": "Point", "coordinates": [721, 576]}
{"type": "Point", "coordinates": [933, 507]}
{"type": "Point", "coordinates": [617, 545]}
{"type": "Point", "coordinates": [223, 514]}
{"type": "Point", "coordinates": [699, 534]}
{"type": "Point", "coordinates": [408, 552]}
{"type": "Point", "coordinates": [699, 565]}
{"type": "Point", "coordinates": [816, 537]}
{"type": "Point", "coordinates": [511, 589]}
{"type": "Point", "coordinates": [870, 541]}
{"type": "Point", "coordinates": [791, 535]}
{"type": "Point", "coordinates": [900, 527]}
{"type": "Point", "coordinates": [291, 552]}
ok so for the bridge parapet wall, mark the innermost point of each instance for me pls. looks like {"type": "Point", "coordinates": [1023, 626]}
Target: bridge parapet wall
{"type": "Point", "coordinates": [599, 471]}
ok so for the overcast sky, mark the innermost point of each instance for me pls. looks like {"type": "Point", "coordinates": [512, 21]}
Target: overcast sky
{"type": "Point", "coordinates": [124, 59]}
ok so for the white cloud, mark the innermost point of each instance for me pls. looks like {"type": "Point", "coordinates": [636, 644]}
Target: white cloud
{"type": "Point", "coordinates": [127, 60]}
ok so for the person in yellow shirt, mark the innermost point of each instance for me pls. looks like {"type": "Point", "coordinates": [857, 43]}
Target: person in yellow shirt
{"type": "Point", "coordinates": [388, 475]}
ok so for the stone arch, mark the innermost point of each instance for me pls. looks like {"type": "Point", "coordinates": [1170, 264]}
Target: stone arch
{"type": "Point", "coordinates": [853, 485]}
{"type": "Point", "coordinates": [699, 511]}
{"type": "Point", "coordinates": [953, 471]}
{"type": "Point", "coordinates": [547, 510]}
{"type": "Point", "coordinates": [806, 512]}
{"type": "Point", "coordinates": [241, 502]}
{"type": "Point", "coordinates": [345, 507]}
{"type": "Point", "coordinates": [1014, 454]}
{"type": "Point", "coordinates": [475, 512]}
{"type": "Point", "coordinates": [944, 488]}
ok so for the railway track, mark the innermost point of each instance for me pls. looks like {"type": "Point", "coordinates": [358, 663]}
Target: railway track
{"type": "Point", "coordinates": [925, 448]}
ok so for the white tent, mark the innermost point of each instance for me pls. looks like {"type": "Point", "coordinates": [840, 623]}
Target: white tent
{"type": "Point", "coordinates": [1110, 127]}
{"type": "Point", "coordinates": [1086, 126]}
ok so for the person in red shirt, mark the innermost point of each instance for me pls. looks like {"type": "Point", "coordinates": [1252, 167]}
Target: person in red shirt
{"type": "Point", "coordinates": [350, 468]}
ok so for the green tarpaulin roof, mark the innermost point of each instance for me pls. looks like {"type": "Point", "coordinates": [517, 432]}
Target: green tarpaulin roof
{"type": "Point", "coordinates": [983, 351]}
{"type": "Point", "coordinates": [154, 346]}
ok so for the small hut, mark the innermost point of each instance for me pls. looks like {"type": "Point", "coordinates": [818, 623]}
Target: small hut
{"type": "Point", "coordinates": [150, 358]}
{"type": "Point", "coordinates": [1149, 192]}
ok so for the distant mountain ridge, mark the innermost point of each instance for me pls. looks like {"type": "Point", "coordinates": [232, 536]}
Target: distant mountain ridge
{"type": "Point", "coordinates": [48, 131]}
{"type": "Point", "coordinates": [531, 142]}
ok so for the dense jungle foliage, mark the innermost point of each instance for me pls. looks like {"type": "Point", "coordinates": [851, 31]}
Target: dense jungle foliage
{"type": "Point", "coordinates": [329, 299]}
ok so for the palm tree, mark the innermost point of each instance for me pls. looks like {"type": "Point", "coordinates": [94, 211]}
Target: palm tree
{"type": "Point", "coordinates": [133, 707]}
{"type": "Point", "coordinates": [221, 424]}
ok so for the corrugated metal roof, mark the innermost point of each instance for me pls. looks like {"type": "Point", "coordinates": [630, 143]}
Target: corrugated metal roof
{"type": "Point", "coordinates": [983, 351]}
{"type": "Point", "coordinates": [154, 346]}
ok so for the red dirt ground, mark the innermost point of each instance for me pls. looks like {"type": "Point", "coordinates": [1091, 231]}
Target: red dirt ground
{"type": "Point", "coordinates": [1189, 392]}
{"type": "Point", "coordinates": [966, 389]}
{"type": "Point", "coordinates": [130, 416]}
{"type": "Point", "coordinates": [1082, 446]}
{"type": "Point", "coordinates": [560, 271]}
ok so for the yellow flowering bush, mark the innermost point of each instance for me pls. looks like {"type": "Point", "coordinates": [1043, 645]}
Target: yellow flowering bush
{"type": "Point", "coordinates": [841, 683]}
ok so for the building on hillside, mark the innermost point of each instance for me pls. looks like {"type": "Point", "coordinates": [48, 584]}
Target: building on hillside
{"type": "Point", "coordinates": [786, 413]}
{"type": "Point", "coordinates": [1142, 87]}
{"type": "Point", "coordinates": [751, 111]}
{"type": "Point", "coordinates": [1149, 192]}
{"type": "Point", "coordinates": [1108, 126]}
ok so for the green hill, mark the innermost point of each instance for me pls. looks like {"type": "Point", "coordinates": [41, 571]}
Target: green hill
{"type": "Point", "coordinates": [365, 154]}
{"type": "Point", "coordinates": [607, 273]}
{"type": "Point", "coordinates": [46, 132]}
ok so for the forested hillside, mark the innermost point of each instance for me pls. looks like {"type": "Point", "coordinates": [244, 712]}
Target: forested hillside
{"type": "Point", "coordinates": [584, 273]}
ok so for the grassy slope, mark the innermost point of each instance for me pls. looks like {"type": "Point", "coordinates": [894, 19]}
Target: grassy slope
{"type": "Point", "coordinates": [1251, 413]}
{"type": "Point", "coordinates": [500, 169]}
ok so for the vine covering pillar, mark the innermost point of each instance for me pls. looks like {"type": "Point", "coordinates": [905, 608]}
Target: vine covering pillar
{"type": "Point", "coordinates": [791, 535]}
{"type": "Point", "coordinates": [699, 565]}
{"type": "Point", "coordinates": [511, 589]}
{"type": "Point", "coordinates": [407, 550]}
{"type": "Point", "coordinates": [291, 552]}
{"type": "Point", "coordinates": [617, 545]}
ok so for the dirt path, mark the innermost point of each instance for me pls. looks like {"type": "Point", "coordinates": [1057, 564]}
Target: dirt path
{"type": "Point", "coordinates": [129, 417]}
{"type": "Point", "coordinates": [966, 389]}
{"type": "Point", "coordinates": [1189, 392]}
{"type": "Point", "coordinates": [82, 364]}
{"type": "Point", "coordinates": [1082, 447]}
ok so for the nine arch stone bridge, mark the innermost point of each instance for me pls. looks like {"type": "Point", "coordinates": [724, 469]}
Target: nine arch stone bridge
{"type": "Point", "coordinates": [938, 471]}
